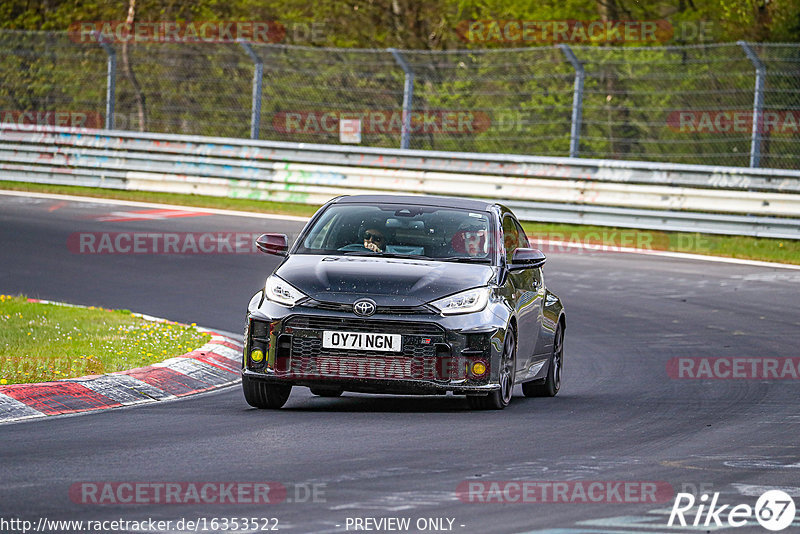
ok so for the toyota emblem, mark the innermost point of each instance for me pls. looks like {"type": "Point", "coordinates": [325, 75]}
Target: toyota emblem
{"type": "Point", "coordinates": [364, 307]}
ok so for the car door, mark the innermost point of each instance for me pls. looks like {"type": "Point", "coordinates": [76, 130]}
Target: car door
{"type": "Point", "coordinates": [528, 295]}
{"type": "Point", "coordinates": [546, 330]}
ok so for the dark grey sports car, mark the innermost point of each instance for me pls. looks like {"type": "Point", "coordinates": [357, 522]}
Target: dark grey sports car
{"type": "Point", "coordinates": [405, 295]}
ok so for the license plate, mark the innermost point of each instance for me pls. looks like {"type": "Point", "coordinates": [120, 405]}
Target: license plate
{"type": "Point", "coordinates": [362, 341]}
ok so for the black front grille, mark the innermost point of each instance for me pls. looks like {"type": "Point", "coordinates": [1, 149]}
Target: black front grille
{"type": "Point", "coordinates": [363, 325]}
{"type": "Point", "coordinates": [304, 347]}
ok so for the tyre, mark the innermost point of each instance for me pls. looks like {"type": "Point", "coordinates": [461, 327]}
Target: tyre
{"type": "Point", "coordinates": [552, 383]}
{"type": "Point", "coordinates": [259, 394]}
{"type": "Point", "coordinates": [499, 399]}
{"type": "Point", "coordinates": [323, 392]}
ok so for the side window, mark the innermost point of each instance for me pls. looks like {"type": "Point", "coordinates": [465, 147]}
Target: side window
{"type": "Point", "coordinates": [322, 231]}
{"type": "Point", "coordinates": [511, 236]}
{"type": "Point", "coordinates": [522, 242]}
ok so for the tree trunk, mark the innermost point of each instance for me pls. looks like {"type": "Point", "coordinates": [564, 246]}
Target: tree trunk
{"type": "Point", "coordinates": [126, 66]}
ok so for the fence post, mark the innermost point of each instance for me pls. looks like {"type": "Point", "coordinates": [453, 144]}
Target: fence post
{"type": "Point", "coordinates": [577, 101]}
{"type": "Point", "coordinates": [758, 104]}
{"type": "Point", "coordinates": [255, 109]}
{"type": "Point", "coordinates": [408, 95]}
{"type": "Point", "coordinates": [111, 79]}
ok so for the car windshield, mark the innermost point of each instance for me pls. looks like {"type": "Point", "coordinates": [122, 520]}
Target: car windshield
{"type": "Point", "coordinates": [422, 232]}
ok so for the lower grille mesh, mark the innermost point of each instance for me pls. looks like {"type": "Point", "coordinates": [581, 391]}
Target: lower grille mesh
{"type": "Point", "coordinates": [311, 346]}
{"type": "Point", "coordinates": [372, 367]}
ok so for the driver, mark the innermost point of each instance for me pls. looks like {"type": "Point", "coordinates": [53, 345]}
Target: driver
{"type": "Point", "coordinates": [375, 239]}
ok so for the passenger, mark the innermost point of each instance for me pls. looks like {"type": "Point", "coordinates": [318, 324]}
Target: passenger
{"type": "Point", "coordinates": [471, 239]}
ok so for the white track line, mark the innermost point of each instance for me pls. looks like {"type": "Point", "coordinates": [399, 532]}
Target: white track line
{"type": "Point", "coordinates": [233, 213]}
{"type": "Point", "coordinates": [115, 202]}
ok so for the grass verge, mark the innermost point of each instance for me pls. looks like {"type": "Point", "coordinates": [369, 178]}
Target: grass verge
{"type": "Point", "coordinates": [750, 248]}
{"type": "Point", "coordinates": [41, 342]}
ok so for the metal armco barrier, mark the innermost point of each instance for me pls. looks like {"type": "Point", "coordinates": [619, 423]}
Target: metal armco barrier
{"type": "Point", "coordinates": [724, 200]}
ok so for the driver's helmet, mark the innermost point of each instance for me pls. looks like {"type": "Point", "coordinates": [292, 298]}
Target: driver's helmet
{"type": "Point", "coordinates": [472, 238]}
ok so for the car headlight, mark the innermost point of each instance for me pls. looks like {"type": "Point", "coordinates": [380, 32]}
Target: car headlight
{"type": "Point", "coordinates": [472, 300]}
{"type": "Point", "coordinates": [282, 292]}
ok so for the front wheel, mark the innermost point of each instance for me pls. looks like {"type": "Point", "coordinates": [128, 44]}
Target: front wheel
{"type": "Point", "coordinates": [552, 384]}
{"type": "Point", "coordinates": [500, 398]}
{"type": "Point", "coordinates": [259, 394]}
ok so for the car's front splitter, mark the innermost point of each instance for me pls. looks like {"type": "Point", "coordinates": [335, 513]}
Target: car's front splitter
{"type": "Point", "coordinates": [378, 385]}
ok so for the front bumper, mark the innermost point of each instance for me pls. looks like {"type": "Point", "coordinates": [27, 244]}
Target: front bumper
{"type": "Point", "coordinates": [377, 385]}
{"type": "Point", "coordinates": [437, 355]}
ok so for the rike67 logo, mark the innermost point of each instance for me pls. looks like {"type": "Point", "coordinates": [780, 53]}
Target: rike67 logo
{"type": "Point", "coordinates": [774, 510]}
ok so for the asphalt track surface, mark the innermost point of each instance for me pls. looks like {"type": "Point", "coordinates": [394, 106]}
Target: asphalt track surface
{"type": "Point", "coordinates": [619, 416]}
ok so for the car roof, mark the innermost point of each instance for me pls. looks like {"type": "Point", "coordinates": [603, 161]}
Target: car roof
{"type": "Point", "coordinates": [418, 200]}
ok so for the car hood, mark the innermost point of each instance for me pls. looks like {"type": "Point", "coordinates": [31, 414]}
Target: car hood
{"type": "Point", "coordinates": [388, 281]}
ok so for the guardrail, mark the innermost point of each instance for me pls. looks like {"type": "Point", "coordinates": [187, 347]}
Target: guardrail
{"type": "Point", "coordinates": [696, 198]}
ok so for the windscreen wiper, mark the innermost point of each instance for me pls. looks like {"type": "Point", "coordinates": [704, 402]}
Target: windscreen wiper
{"type": "Point", "coordinates": [360, 253]}
{"type": "Point", "coordinates": [454, 259]}
{"type": "Point", "coordinates": [464, 259]}
{"type": "Point", "coordinates": [408, 256]}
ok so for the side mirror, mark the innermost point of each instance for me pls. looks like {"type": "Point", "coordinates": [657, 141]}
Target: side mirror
{"type": "Point", "coordinates": [526, 258]}
{"type": "Point", "coordinates": [273, 244]}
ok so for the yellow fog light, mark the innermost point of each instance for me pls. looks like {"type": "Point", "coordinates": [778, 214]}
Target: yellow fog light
{"type": "Point", "coordinates": [256, 355]}
{"type": "Point", "coordinates": [478, 368]}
